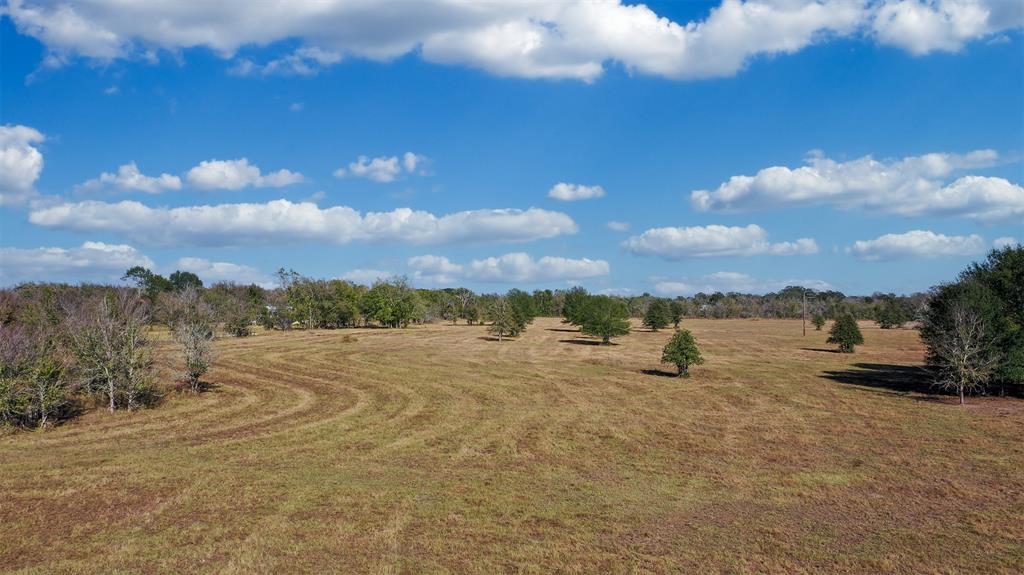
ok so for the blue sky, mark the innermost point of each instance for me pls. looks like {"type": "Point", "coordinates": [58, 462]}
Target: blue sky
{"type": "Point", "coordinates": [789, 100]}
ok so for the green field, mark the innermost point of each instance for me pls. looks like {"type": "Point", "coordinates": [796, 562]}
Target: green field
{"type": "Point", "coordinates": [433, 449]}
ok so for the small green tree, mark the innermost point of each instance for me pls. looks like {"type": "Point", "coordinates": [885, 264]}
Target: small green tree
{"type": "Point", "coordinates": [845, 333]}
{"type": "Point", "coordinates": [523, 308]}
{"type": "Point", "coordinates": [150, 283]}
{"type": "Point", "coordinates": [682, 352]}
{"type": "Point", "coordinates": [572, 305]}
{"type": "Point", "coordinates": [676, 311]}
{"type": "Point", "coordinates": [182, 280]}
{"type": "Point", "coordinates": [657, 315]}
{"type": "Point", "coordinates": [605, 317]}
{"type": "Point", "coordinates": [818, 321]}
{"type": "Point", "coordinates": [504, 320]}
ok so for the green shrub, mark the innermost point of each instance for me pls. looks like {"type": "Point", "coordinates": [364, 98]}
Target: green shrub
{"type": "Point", "coordinates": [818, 321]}
{"type": "Point", "coordinates": [682, 352]}
{"type": "Point", "coordinates": [845, 334]}
{"type": "Point", "coordinates": [658, 315]}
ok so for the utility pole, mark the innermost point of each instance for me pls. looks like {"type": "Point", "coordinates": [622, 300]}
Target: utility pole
{"type": "Point", "coordinates": [804, 292]}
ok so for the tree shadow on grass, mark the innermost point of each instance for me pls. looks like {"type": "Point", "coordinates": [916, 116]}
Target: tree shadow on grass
{"type": "Point", "coordinates": [587, 342]}
{"type": "Point", "coordinates": [900, 379]}
{"type": "Point", "coordinates": [494, 338]}
{"type": "Point", "coordinates": [567, 330]}
{"type": "Point", "coordinates": [820, 350]}
{"type": "Point", "coordinates": [209, 386]}
{"type": "Point", "coordinates": [659, 373]}
{"type": "Point", "coordinates": [182, 386]}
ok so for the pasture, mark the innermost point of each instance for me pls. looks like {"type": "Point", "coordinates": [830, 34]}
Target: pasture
{"type": "Point", "coordinates": [433, 449]}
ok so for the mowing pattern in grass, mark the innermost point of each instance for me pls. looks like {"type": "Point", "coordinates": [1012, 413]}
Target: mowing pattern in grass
{"type": "Point", "coordinates": [432, 449]}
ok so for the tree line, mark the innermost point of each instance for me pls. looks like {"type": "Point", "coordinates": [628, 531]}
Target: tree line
{"type": "Point", "coordinates": [974, 327]}
{"type": "Point", "coordinates": [301, 301]}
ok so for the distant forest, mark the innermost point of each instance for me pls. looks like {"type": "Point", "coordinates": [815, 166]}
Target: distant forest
{"type": "Point", "coordinates": [302, 301]}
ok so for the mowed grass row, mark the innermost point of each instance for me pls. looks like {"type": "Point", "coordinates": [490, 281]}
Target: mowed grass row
{"type": "Point", "coordinates": [433, 449]}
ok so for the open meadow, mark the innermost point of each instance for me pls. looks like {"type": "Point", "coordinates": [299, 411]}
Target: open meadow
{"type": "Point", "coordinates": [434, 449]}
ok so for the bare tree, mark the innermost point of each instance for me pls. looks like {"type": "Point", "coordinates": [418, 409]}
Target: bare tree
{"type": "Point", "coordinates": [963, 353]}
{"type": "Point", "coordinates": [194, 333]}
{"type": "Point", "coordinates": [107, 334]}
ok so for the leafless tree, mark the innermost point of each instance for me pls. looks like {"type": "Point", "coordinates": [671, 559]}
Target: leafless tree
{"type": "Point", "coordinates": [963, 353]}
{"type": "Point", "coordinates": [107, 334]}
{"type": "Point", "coordinates": [193, 330]}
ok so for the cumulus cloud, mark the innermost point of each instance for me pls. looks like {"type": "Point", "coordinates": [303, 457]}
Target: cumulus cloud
{"type": "Point", "coordinates": [726, 282]}
{"type": "Point", "coordinates": [515, 267]}
{"type": "Point", "coordinates": [412, 161]}
{"type": "Point", "coordinates": [506, 38]}
{"type": "Point", "coordinates": [572, 192]}
{"type": "Point", "coordinates": [365, 276]}
{"type": "Point", "coordinates": [212, 272]}
{"type": "Point", "coordinates": [618, 226]}
{"type": "Point", "coordinates": [92, 261]}
{"type": "Point", "coordinates": [20, 164]}
{"type": "Point", "coordinates": [912, 186]}
{"type": "Point", "coordinates": [917, 244]}
{"type": "Point", "coordinates": [712, 241]}
{"type": "Point", "coordinates": [1004, 242]}
{"type": "Point", "coordinates": [281, 221]}
{"type": "Point", "coordinates": [237, 174]}
{"type": "Point", "coordinates": [920, 27]}
{"type": "Point", "coordinates": [129, 179]}
{"type": "Point", "coordinates": [383, 169]}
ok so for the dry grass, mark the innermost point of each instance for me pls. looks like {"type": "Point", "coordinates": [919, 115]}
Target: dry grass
{"type": "Point", "coordinates": [433, 450]}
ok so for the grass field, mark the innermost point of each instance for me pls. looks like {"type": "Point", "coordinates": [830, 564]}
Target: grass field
{"type": "Point", "coordinates": [433, 450]}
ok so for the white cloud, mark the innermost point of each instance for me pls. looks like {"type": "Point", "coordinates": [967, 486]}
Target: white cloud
{"type": "Point", "coordinates": [624, 292]}
{"type": "Point", "coordinates": [365, 276]}
{"type": "Point", "coordinates": [917, 244]}
{"type": "Point", "coordinates": [920, 27]}
{"type": "Point", "coordinates": [618, 226]}
{"type": "Point", "coordinates": [128, 178]}
{"type": "Point", "coordinates": [726, 282]}
{"type": "Point", "coordinates": [910, 187]}
{"type": "Point", "coordinates": [92, 261]}
{"type": "Point", "coordinates": [712, 241]}
{"type": "Point", "coordinates": [306, 61]}
{"type": "Point", "coordinates": [435, 269]}
{"type": "Point", "coordinates": [20, 164]}
{"type": "Point", "coordinates": [383, 169]}
{"type": "Point", "coordinates": [212, 272]}
{"type": "Point", "coordinates": [411, 161]}
{"type": "Point", "coordinates": [572, 192]}
{"type": "Point", "coordinates": [1004, 242]}
{"type": "Point", "coordinates": [296, 106]}
{"type": "Point", "coordinates": [237, 174]}
{"type": "Point", "coordinates": [515, 267]}
{"type": "Point", "coordinates": [506, 38]}
{"type": "Point", "coordinates": [281, 221]}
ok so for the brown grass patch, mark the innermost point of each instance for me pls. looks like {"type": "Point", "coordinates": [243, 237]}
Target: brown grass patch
{"type": "Point", "coordinates": [432, 449]}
